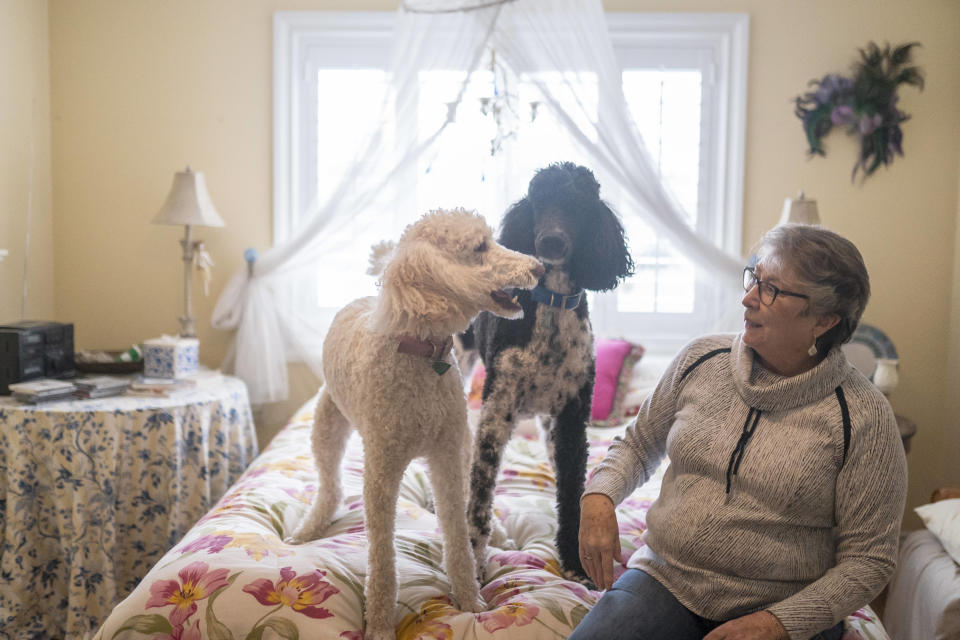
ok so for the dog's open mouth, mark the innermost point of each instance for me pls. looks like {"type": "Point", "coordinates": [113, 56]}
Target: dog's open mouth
{"type": "Point", "coordinates": [503, 299]}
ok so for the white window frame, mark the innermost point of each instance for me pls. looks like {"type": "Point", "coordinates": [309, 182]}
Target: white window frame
{"type": "Point", "coordinates": [716, 43]}
{"type": "Point", "coordinates": [301, 38]}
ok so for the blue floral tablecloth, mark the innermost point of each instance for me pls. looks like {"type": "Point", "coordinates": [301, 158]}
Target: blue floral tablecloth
{"type": "Point", "coordinates": [94, 492]}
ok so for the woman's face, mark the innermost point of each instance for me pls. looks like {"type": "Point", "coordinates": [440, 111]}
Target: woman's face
{"type": "Point", "coordinates": [781, 333]}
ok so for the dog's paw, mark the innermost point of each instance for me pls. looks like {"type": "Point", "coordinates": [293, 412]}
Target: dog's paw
{"type": "Point", "coordinates": [477, 605]}
{"type": "Point", "coordinates": [300, 536]}
{"type": "Point", "coordinates": [582, 578]}
{"type": "Point", "coordinates": [307, 530]}
{"type": "Point", "coordinates": [467, 595]}
{"type": "Point", "coordinates": [380, 634]}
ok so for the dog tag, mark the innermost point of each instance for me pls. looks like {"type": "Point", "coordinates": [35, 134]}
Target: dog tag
{"type": "Point", "coordinates": [549, 320]}
{"type": "Point", "coordinates": [440, 366]}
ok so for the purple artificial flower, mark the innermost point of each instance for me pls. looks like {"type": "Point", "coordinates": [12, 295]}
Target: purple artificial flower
{"type": "Point", "coordinates": [869, 124]}
{"type": "Point", "coordinates": [831, 86]}
{"type": "Point", "coordinates": [895, 143]}
{"type": "Point", "coordinates": [842, 115]}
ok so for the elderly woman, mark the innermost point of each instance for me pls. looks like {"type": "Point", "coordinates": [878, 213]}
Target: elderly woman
{"type": "Point", "coordinates": [780, 511]}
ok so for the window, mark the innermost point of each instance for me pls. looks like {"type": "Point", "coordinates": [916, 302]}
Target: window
{"type": "Point", "coordinates": [684, 79]}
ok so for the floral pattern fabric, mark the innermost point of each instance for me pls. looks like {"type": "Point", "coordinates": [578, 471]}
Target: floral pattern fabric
{"type": "Point", "coordinates": [94, 492]}
{"type": "Point", "coordinates": [233, 577]}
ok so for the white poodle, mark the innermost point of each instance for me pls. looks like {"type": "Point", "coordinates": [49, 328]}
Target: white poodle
{"type": "Point", "coordinates": [385, 362]}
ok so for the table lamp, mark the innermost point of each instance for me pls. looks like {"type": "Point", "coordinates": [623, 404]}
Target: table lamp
{"type": "Point", "coordinates": [188, 204]}
{"type": "Point", "coordinates": [800, 210]}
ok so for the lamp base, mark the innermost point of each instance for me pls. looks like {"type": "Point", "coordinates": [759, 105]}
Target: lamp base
{"type": "Point", "coordinates": [186, 320]}
{"type": "Point", "coordinates": [186, 327]}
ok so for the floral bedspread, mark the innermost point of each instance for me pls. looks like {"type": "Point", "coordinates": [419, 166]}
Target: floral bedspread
{"type": "Point", "coordinates": [232, 577]}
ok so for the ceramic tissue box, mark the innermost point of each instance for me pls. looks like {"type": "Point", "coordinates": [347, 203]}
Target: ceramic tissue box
{"type": "Point", "coordinates": [170, 357]}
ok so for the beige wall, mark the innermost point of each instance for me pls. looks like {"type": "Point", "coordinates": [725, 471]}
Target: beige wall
{"type": "Point", "coordinates": [25, 160]}
{"type": "Point", "coordinates": [950, 446]}
{"type": "Point", "coordinates": [140, 89]}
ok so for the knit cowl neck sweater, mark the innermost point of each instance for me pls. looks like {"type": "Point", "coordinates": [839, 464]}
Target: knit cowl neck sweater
{"type": "Point", "coordinates": [782, 493]}
{"type": "Point", "coordinates": [773, 392]}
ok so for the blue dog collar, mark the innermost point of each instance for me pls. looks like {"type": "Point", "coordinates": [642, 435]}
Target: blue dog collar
{"type": "Point", "coordinates": [565, 301]}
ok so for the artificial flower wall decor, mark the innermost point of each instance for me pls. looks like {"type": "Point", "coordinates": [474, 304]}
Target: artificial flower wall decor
{"type": "Point", "coordinates": [865, 104]}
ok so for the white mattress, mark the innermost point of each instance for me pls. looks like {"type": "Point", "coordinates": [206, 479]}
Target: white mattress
{"type": "Point", "coordinates": [923, 599]}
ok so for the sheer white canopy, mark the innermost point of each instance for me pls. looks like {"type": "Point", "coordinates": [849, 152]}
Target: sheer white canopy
{"type": "Point", "coordinates": [561, 45]}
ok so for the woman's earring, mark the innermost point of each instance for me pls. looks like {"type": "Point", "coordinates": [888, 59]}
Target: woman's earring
{"type": "Point", "coordinates": [812, 351]}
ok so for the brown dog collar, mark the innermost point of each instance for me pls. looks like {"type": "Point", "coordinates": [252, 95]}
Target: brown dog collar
{"type": "Point", "coordinates": [433, 350]}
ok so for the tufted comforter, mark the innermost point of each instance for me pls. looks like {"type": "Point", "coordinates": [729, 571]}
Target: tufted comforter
{"type": "Point", "coordinates": [232, 577]}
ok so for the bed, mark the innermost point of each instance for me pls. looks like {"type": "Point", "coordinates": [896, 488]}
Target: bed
{"type": "Point", "coordinates": [923, 598]}
{"type": "Point", "coordinates": [231, 576]}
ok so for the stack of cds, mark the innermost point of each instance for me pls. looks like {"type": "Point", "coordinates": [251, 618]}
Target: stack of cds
{"type": "Point", "coordinates": [42, 390]}
{"type": "Point", "coordinates": [160, 387]}
{"type": "Point", "coordinates": [101, 386]}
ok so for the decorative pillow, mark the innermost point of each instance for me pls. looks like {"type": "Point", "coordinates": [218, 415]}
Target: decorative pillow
{"type": "Point", "coordinates": [475, 395]}
{"type": "Point", "coordinates": [942, 519]}
{"type": "Point", "coordinates": [615, 362]}
{"type": "Point", "coordinates": [643, 380]}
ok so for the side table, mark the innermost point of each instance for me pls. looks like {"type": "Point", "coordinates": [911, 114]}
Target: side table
{"type": "Point", "coordinates": [94, 492]}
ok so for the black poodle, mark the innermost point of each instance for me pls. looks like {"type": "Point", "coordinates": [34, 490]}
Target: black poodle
{"type": "Point", "coordinates": [543, 363]}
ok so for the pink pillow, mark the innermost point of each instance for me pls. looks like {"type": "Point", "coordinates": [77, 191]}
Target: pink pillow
{"type": "Point", "coordinates": [475, 395]}
{"type": "Point", "coordinates": [615, 361]}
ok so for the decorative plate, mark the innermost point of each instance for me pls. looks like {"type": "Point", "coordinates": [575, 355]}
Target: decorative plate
{"type": "Point", "coordinates": [866, 346]}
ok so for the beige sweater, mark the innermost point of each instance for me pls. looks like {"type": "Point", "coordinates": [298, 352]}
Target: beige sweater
{"type": "Point", "coordinates": [801, 532]}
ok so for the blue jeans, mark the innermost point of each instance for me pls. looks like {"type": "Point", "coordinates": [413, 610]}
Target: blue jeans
{"type": "Point", "coordinates": [640, 607]}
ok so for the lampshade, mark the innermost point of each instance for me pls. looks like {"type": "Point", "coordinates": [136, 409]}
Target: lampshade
{"type": "Point", "coordinates": [188, 202]}
{"type": "Point", "coordinates": [800, 209]}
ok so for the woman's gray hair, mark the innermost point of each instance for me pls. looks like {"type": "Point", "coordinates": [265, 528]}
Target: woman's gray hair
{"type": "Point", "coordinates": [828, 267]}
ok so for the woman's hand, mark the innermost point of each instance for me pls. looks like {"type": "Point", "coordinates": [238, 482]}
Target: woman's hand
{"type": "Point", "coordinates": [761, 625]}
{"type": "Point", "coordinates": [599, 538]}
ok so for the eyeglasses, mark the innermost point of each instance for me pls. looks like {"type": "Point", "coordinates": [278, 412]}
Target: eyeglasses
{"type": "Point", "coordinates": [768, 292]}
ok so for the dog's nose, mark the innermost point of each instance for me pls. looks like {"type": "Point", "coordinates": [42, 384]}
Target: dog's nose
{"type": "Point", "coordinates": [538, 271]}
{"type": "Point", "coordinates": [552, 247]}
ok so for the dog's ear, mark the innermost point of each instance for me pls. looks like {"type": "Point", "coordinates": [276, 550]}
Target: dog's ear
{"type": "Point", "coordinates": [601, 260]}
{"type": "Point", "coordinates": [405, 299]}
{"type": "Point", "coordinates": [380, 254]}
{"type": "Point", "coordinates": [516, 229]}
{"type": "Point", "coordinates": [398, 301]}
{"type": "Point", "coordinates": [402, 276]}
